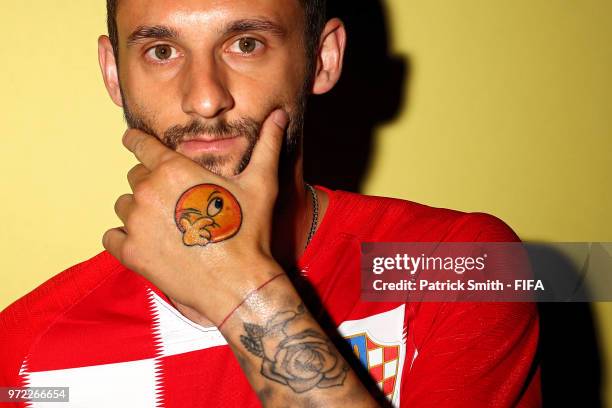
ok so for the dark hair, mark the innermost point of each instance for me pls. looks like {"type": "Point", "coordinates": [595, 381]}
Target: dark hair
{"type": "Point", "coordinates": [314, 10]}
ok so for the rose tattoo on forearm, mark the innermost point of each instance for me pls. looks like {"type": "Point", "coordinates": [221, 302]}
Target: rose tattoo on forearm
{"type": "Point", "coordinates": [302, 358]}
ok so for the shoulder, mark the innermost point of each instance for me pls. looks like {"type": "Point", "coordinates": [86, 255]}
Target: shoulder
{"type": "Point", "coordinates": [26, 319]}
{"type": "Point", "coordinates": [470, 338]}
{"type": "Point", "coordinates": [384, 218]}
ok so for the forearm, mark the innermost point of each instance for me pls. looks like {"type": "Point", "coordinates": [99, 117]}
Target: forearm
{"type": "Point", "coordinates": [286, 356]}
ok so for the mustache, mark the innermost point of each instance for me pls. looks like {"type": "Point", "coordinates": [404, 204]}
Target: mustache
{"type": "Point", "coordinates": [246, 127]}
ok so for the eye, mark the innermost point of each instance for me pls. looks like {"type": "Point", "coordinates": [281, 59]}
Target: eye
{"type": "Point", "coordinates": [214, 206]}
{"type": "Point", "coordinates": [245, 45]}
{"type": "Point", "coordinates": [162, 52]}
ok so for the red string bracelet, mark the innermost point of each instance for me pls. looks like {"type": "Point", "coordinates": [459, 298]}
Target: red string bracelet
{"type": "Point", "coordinates": [247, 296]}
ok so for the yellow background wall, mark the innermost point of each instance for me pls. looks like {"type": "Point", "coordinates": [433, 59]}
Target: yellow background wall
{"type": "Point", "coordinates": [514, 98]}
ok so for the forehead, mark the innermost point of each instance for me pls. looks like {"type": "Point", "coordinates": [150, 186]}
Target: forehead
{"type": "Point", "coordinates": [205, 14]}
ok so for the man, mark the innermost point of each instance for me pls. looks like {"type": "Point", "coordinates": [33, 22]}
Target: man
{"type": "Point", "coordinates": [242, 303]}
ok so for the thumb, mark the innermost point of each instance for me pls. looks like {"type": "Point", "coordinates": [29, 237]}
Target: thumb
{"type": "Point", "coordinates": [266, 153]}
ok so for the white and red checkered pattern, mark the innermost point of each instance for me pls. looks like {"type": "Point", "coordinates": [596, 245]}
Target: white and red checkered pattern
{"type": "Point", "coordinates": [379, 343]}
{"type": "Point", "coordinates": [383, 365]}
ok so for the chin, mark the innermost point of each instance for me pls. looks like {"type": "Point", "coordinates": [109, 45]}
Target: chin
{"type": "Point", "coordinates": [222, 165]}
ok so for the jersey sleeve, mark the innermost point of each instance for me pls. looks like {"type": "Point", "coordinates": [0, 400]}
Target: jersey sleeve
{"type": "Point", "coordinates": [16, 336]}
{"type": "Point", "coordinates": [474, 354]}
{"type": "Point", "coordinates": [26, 319]}
{"type": "Point", "coordinates": [19, 324]}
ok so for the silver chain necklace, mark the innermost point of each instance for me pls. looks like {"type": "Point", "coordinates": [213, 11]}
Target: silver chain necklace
{"type": "Point", "coordinates": [315, 212]}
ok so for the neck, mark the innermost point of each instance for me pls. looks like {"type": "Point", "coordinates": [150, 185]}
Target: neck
{"type": "Point", "coordinates": [293, 214]}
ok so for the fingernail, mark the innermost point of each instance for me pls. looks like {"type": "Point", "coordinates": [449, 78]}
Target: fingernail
{"type": "Point", "coordinates": [281, 118]}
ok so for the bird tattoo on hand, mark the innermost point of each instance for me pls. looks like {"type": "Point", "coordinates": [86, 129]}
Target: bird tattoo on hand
{"type": "Point", "coordinates": [207, 213]}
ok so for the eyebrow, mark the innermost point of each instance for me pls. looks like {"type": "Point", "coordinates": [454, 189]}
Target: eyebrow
{"type": "Point", "coordinates": [242, 26]}
{"type": "Point", "coordinates": [158, 32]}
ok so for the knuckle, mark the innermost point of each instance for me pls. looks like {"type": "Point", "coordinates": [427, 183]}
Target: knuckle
{"type": "Point", "coordinates": [167, 166]}
{"type": "Point", "coordinates": [171, 158]}
{"type": "Point", "coordinates": [138, 146]}
{"type": "Point", "coordinates": [106, 240]}
{"type": "Point", "coordinates": [128, 221]}
{"type": "Point", "coordinates": [134, 171]}
{"type": "Point", "coordinates": [171, 168]}
{"type": "Point", "coordinates": [122, 202]}
{"type": "Point", "coordinates": [128, 255]}
{"type": "Point", "coordinates": [143, 191]}
{"type": "Point", "coordinates": [141, 144]}
{"type": "Point", "coordinates": [117, 207]}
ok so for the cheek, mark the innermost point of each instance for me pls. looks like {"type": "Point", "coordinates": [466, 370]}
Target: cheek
{"type": "Point", "coordinates": [259, 100]}
{"type": "Point", "coordinates": [271, 86]}
{"type": "Point", "coordinates": [151, 96]}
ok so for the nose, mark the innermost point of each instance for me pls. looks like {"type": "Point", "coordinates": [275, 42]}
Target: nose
{"type": "Point", "coordinates": [205, 93]}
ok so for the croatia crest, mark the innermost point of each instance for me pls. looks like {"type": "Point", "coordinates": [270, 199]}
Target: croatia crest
{"type": "Point", "coordinates": [378, 343]}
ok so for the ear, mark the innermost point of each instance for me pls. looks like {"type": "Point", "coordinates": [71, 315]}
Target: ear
{"type": "Point", "coordinates": [108, 66]}
{"type": "Point", "coordinates": [329, 56]}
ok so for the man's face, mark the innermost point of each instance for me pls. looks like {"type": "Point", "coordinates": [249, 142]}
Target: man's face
{"type": "Point", "coordinates": [202, 75]}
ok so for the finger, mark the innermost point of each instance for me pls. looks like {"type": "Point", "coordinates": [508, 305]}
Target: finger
{"type": "Point", "coordinates": [136, 174]}
{"type": "Point", "coordinates": [267, 150]}
{"type": "Point", "coordinates": [113, 241]}
{"type": "Point", "coordinates": [123, 207]}
{"type": "Point", "coordinates": [147, 149]}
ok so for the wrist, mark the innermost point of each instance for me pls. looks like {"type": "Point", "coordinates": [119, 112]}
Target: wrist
{"type": "Point", "coordinates": [261, 303]}
{"type": "Point", "coordinates": [231, 294]}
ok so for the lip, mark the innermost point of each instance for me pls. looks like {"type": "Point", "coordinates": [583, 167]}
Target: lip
{"type": "Point", "coordinates": [208, 144]}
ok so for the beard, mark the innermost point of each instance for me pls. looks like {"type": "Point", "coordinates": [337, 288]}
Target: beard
{"type": "Point", "coordinates": [246, 127]}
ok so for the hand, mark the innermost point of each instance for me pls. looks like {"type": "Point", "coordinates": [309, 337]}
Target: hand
{"type": "Point", "coordinates": [202, 239]}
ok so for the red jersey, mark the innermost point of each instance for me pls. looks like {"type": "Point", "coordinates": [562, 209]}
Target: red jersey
{"type": "Point", "coordinates": [116, 340]}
